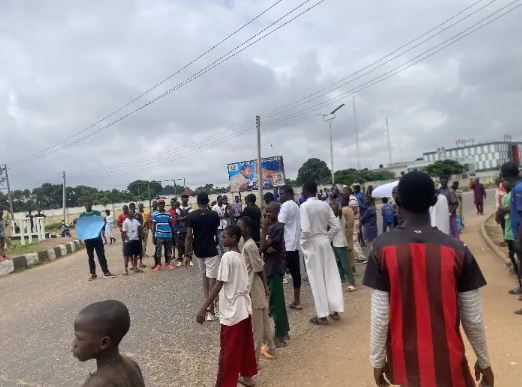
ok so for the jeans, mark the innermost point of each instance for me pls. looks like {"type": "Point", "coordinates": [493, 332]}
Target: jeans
{"type": "Point", "coordinates": [90, 246]}
{"type": "Point", "coordinates": [221, 247]}
{"type": "Point", "coordinates": [163, 242]}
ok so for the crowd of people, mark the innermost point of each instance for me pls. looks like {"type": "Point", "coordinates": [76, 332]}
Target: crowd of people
{"type": "Point", "coordinates": [244, 254]}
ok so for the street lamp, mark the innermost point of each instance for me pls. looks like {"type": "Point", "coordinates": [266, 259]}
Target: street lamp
{"type": "Point", "coordinates": [329, 118]}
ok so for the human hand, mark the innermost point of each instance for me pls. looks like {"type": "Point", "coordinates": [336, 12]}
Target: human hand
{"type": "Point", "coordinates": [378, 375]}
{"type": "Point", "coordinates": [485, 376]}
{"type": "Point", "coordinates": [200, 317]}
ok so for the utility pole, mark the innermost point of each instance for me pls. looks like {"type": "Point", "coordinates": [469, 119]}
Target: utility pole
{"type": "Point", "coordinates": [64, 199]}
{"type": "Point", "coordinates": [9, 196]}
{"type": "Point", "coordinates": [356, 130]}
{"type": "Point", "coordinates": [259, 169]}
{"type": "Point", "coordinates": [389, 142]}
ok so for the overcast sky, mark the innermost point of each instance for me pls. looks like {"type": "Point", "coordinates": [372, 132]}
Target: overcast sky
{"type": "Point", "coordinates": [65, 65]}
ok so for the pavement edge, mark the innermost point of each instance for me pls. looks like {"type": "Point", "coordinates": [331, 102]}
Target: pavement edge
{"type": "Point", "coordinates": [492, 245]}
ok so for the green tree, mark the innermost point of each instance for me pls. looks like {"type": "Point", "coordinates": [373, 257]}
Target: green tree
{"type": "Point", "coordinates": [48, 195]}
{"type": "Point", "coordinates": [313, 170]}
{"type": "Point", "coordinates": [445, 168]}
{"type": "Point", "coordinates": [140, 188]}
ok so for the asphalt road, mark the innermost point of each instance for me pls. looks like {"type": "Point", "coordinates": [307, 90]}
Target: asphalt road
{"type": "Point", "coordinates": [37, 308]}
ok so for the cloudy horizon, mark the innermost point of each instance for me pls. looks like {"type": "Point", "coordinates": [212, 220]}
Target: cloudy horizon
{"type": "Point", "coordinates": [66, 65]}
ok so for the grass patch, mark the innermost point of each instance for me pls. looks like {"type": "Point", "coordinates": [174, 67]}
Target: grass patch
{"type": "Point", "coordinates": [18, 249]}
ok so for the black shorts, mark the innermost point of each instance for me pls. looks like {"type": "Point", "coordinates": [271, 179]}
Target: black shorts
{"type": "Point", "coordinates": [180, 239]}
{"type": "Point", "coordinates": [132, 248]}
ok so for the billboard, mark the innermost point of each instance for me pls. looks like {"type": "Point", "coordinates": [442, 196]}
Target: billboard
{"type": "Point", "coordinates": [243, 174]}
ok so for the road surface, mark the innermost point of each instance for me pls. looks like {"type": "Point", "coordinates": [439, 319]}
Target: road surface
{"type": "Point", "coordinates": [38, 307]}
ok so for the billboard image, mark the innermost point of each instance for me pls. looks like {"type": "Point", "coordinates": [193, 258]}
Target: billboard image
{"type": "Point", "coordinates": [243, 174]}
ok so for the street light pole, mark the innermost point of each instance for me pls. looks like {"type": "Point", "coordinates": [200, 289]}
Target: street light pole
{"type": "Point", "coordinates": [330, 117]}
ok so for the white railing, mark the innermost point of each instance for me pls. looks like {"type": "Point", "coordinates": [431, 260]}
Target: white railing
{"type": "Point", "coordinates": [25, 230]}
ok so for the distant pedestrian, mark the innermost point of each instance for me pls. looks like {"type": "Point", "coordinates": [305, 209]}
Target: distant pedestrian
{"type": "Point", "coordinates": [253, 212]}
{"type": "Point", "coordinates": [273, 249]}
{"type": "Point", "coordinates": [460, 211]}
{"type": "Point", "coordinates": [220, 209]}
{"type": "Point", "coordinates": [131, 230]}
{"type": "Point", "coordinates": [237, 358]}
{"type": "Point", "coordinates": [95, 244]}
{"type": "Point", "coordinates": [453, 205]}
{"type": "Point", "coordinates": [162, 236]}
{"type": "Point", "coordinates": [121, 218]}
{"type": "Point", "coordinates": [98, 331]}
{"type": "Point", "coordinates": [388, 214]}
{"type": "Point", "coordinates": [182, 212]}
{"type": "Point", "coordinates": [109, 223]}
{"type": "Point", "coordinates": [479, 194]}
{"type": "Point", "coordinates": [237, 207]}
{"type": "Point", "coordinates": [369, 222]}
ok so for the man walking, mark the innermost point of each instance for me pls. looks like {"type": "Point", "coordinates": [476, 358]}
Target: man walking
{"type": "Point", "coordinates": [319, 225]}
{"type": "Point", "coordinates": [162, 227]}
{"type": "Point", "coordinates": [479, 194]}
{"type": "Point", "coordinates": [202, 232]}
{"type": "Point", "coordinates": [95, 244]}
{"type": "Point", "coordinates": [453, 204]}
{"type": "Point", "coordinates": [290, 218]}
{"type": "Point", "coordinates": [426, 284]}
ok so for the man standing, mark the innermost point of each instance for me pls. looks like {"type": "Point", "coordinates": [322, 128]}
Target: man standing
{"type": "Point", "coordinates": [510, 173]}
{"type": "Point", "coordinates": [182, 213]}
{"type": "Point", "coordinates": [121, 218]}
{"type": "Point", "coordinates": [163, 232]}
{"type": "Point", "coordinates": [138, 215]}
{"type": "Point", "coordinates": [145, 215]}
{"type": "Point", "coordinates": [425, 284]}
{"type": "Point", "coordinates": [202, 233]}
{"type": "Point", "coordinates": [453, 205]}
{"type": "Point", "coordinates": [220, 208]}
{"type": "Point", "coordinates": [95, 244]}
{"type": "Point", "coordinates": [479, 194]}
{"type": "Point", "coordinates": [327, 291]}
{"type": "Point", "coordinates": [237, 207]}
{"type": "Point", "coordinates": [290, 218]}
{"type": "Point", "coordinates": [253, 212]}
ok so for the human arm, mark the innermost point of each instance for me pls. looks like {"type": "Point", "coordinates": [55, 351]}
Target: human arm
{"type": "Point", "coordinates": [200, 318]}
{"type": "Point", "coordinates": [380, 320]}
{"type": "Point", "coordinates": [124, 229]}
{"type": "Point", "coordinates": [473, 325]}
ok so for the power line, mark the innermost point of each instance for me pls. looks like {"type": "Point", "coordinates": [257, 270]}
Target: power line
{"type": "Point", "coordinates": [238, 49]}
{"type": "Point", "coordinates": [158, 84]}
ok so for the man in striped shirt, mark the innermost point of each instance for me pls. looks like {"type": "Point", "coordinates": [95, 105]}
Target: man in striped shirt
{"type": "Point", "coordinates": [162, 237]}
{"type": "Point", "coordinates": [425, 285]}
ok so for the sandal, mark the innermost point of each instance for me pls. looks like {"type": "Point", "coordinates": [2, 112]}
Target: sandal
{"type": "Point", "coordinates": [266, 352]}
{"type": "Point", "coordinates": [335, 316]}
{"type": "Point", "coordinates": [242, 381]}
{"type": "Point", "coordinates": [296, 307]}
{"type": "Point", "coordinates": [351, 288]}
{"type": "Point", "coordinates": [319, 321]}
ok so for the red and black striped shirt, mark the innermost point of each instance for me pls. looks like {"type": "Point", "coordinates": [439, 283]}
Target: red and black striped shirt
{"type": "Point", "coordinates": [424, 270]}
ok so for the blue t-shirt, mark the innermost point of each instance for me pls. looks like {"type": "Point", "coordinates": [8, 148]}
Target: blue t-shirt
{"type": "Point", "coordinates": [516, 208]}
{"type": "Point", "coordinates": [360, 198]}
{"type": "Point", "coordinates": [387, 213]}
{"type": "Point", "coordinates": [161, 221]}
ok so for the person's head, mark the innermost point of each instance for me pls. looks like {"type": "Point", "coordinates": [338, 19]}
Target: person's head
{"type": "Point", "coordinates": [348, 191]}
{"type": "Point", "coordinates": [184, 200]}
{"type": "Point", "coordinates": [507, 186]}
{"type": "Point", "coordinates": [335, 190]}
{"type": "Point", "coordinates": [173, 203]}
{"type": "Point", "coordinates": [444, 181]}
{"type": "Point", "coordinates": [99, 328]}
{"type": "Point", "coordinates": [132, 206]}
{"type": "Point", "coordinates": [455, 185]}
{"type": "Point", "coordinates": [250, 199]}
{"type": "Point", "coordinates": [177, 205]}
{"type": "Point", "coordinates": [356, 188]}
{"type": "Point", "coordinates": [245, 224]}
{"type": "Point", "coordinates": [416, 193]}
{"type": "Point", "coordinates": [509, 172]}
{"type": "Point", "coordinates": [125, 209]}
{"type": "Point", "coordinates": [88, 206]}
{"type": "Point", "coordinates": [225, 199]}
{"type": "Point", "coordinates": [246, 170]}
{"type": "Point", "coordinates": [268, 197]}
{"type": "Point", "coordinates": [310, 189]}
{"type": "Point", "coordinates": [231, 236]}
{"type": "Point", "coordinates": [131, 213]}
{"type": "Point", "coordinates": [154, 205]}
{"type": "Point", "coordinates": [345, 200]}
{"type": "Point", "coordinates": [368, 200]}
{"type": "Point", "coordinates": [477, 179]}
{"type": "Point", "coordinates": [202, 199]}
{"type": "Point", "coordinates": [219, 200]}
{"type": "Point", "coordinates": [385, 200]}
{"type": "Point", "coordinates": [107, 212]}
{"type": "Point", "coordinates": [140, 207]}
{"type": "Point", "coordinates": [237, 199]}
{"type": "Point", "coordinates": [286, 193]}
{"type": "Point", "coordinates": [272, 211]}
{"type": "Point", "coordinates": [161, 205]}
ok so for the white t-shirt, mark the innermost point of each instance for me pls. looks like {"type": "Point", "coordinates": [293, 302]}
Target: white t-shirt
{"type": "Point", "coordinates": [289, 215]}
{"type": "Point", "coordinates": [221, 213]}
{"type": "Point", "coordinates": [339, 239]}
{"type": "Point", "coordinates": [234, 299]}
{"type": "Point", "coordinates": [130, 226]}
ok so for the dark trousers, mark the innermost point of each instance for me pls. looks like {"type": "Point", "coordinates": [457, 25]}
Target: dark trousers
{"type": "Point", "coordinates": [277, 306]}
{"type": "Point", "coordinates": [386, 226]}
{"type": "Point", "coordinates": [163, 242]}
{"type": "Point", "coordinates": [90, 246]}
{"type": "Point", "coordinates": [480, 207]}
{"type": "Point", "coordinates": [294, 267]}
{"type": "Point", "coordinates": [513, 257]}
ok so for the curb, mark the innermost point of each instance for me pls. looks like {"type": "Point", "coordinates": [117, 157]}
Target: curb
{"type": "Point", "coordinates": [492, 245]}
{"type": "Point", "coordinates": [22, 262]}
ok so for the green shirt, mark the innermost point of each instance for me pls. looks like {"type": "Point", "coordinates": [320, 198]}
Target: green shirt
{"type": "Point", "coordinates": [508, 232]}
{"type": "Point", "coordinates": [92, 213]}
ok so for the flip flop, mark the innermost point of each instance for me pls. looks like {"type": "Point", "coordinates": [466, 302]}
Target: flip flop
{"type": "Point", "coordinates": [318, 321]}
{"type": "Point", "coordinates": [335, 316]}
{"type": "Point", "coordinates": [295, 307]}
{"type": "Point", "coordinates": [242, 381]}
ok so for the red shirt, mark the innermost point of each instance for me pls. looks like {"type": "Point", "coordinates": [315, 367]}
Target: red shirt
{"type": "Point", "coordinates": [120, 220]}
{"type": "Point", "coordinates": [172, 213]}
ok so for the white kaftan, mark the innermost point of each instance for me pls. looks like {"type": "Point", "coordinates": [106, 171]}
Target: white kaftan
{"type": "Point", "coordinates": [439, 214]}
{"type": "Point", "coordinates": [319, 258]}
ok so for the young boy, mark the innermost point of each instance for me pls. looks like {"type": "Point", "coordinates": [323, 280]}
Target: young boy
{"type": "Point", "coordinates": [388, 214]}
{"type": "Point", "coordinates": [273, 248]}
{"type": "Point", "coordinates": [131, 231]}
{"type": "Point", "coordinates": [258, 291]}
{"type": "Point", "coordinates": [425, 284]}
{"type": "Point", "coordinates": [340, 247]}
{"type": "Point", "coordinates": [237, 356]}
{"type": "Point", "coordinates": [98, 331]}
